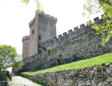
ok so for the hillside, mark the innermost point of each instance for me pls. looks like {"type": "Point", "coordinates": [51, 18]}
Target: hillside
{"type": "Point", "coordinates": [98, 60]}
{"type": "Point", "coordinates": [96, 71]}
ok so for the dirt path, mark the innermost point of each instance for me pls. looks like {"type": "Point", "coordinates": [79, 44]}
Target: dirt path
{"type": "Point", "coordinates": [21, 81]}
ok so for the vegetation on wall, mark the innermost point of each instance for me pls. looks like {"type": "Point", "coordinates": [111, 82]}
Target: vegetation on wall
{"type": "Point", "coordinates": [38, 3]}
{"type": "Point", "coordinates": [49, 50]}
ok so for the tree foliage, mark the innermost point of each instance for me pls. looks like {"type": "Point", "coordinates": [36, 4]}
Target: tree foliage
{"type": "Point", "coordinates": [25, 1]}
{"type": "Point", "coordinates": [38, 3]}
{"type": "Point", "coordinates": [49, 49]}
{"type": "Point", "coordinates": [104, 6]}
{"type": "Point", "coordinates": [9, 57]}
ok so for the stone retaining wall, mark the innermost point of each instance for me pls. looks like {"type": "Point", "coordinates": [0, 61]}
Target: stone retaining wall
{"type": "Point", "coordinates": [91, 76]}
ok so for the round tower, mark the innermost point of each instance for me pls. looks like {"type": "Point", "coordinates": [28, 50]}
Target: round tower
{"type": "Point", "coordinates": [26, 43]}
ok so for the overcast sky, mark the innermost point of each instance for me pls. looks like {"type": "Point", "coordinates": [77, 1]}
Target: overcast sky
{"type": "Point", "coordinates": [15, 17]}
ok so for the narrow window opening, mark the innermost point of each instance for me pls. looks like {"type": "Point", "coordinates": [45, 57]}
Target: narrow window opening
{"type": "Point", "coordinates": [33, 31]}
{"type": "Point", "coordinates": [39, 37]}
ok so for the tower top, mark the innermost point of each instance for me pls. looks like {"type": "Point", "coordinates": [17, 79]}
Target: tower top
{"type": "Point", "coordinates": [47, 16]}
{"type": "Point", "coordinates": [25, 38]}
{"type": "Point", "coordinates": [43, 15]}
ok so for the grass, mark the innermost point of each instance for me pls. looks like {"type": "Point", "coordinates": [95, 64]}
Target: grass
{"type": "Point", "coordinates": [98, 60]}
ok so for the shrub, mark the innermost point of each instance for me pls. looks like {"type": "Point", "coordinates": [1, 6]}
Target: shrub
{"type": "Point", "coordinates": [49, 50]}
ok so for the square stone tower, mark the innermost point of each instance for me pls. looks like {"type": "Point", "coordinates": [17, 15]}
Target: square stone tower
{"type": "Point", "coordinates": [42, 28]}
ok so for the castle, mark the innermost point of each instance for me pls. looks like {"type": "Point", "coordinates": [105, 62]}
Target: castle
{"type": "Point", "coordinates": [42, 28]}
{"type": "Point", "coordinates": [43, 34]}
{"type": "Point", "coordinates": [77, 44]}
{"type": "Point", "coordinates": [74, 45]}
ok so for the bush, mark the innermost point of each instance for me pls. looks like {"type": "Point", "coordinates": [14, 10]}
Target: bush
{"type": "Point", "coordinates": [3, 75]}
{"type": "Point", "coordinates": [49, 50]}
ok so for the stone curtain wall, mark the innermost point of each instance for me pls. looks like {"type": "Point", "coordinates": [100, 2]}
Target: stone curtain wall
{"type": "Point", "coordinates": [91, 76]}
{"type": "Point", "coordinates": [70, 34]}
{"type": "Point", "coordinates": [61, 38]}
{"type": "Point", "coordinates": [85, 46]}
{"type": "Point", "coordinates": [34, 63]}
{"type": "Point", "coordinates": [82, 42]}
{"type": "Point", "coordinates": [78, 44]}
{"type": "Point", "coordinates": [38, 62]}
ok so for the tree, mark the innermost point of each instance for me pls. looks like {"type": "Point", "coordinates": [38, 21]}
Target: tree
{"type": "Point", "coordinates": [38, 3]}
{"type": "Point", "coordinates": [9, 57]}
{"type": "Point", "coordinates": [104, 6]}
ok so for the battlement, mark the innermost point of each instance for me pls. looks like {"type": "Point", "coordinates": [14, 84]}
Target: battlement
{"type": "Point", "coordinates": [72, 33]}
{"type": "Point", "coordinates": [98, 20]}
{"type": "Point", "coordinates": [52, 18]}
{"type": "Point", "coordinates": [26, 38]}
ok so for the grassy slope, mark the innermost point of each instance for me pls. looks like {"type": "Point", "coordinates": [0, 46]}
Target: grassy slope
{"type": "Point", "coordinates": [106, 58]}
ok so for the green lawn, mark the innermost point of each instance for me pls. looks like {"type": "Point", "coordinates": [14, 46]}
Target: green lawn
{"type": "Point", "coordinates": [98, 60]}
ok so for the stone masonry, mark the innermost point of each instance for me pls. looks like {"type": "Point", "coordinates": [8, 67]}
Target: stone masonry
{"type": "Point", "coordinates": [77, 44]}
{"type": "Point", "coordinates": [43, 35]}
{"type": "Point", "coordinates": [91, 76]}
{"type": "Point", "coordinates": [42, 28]}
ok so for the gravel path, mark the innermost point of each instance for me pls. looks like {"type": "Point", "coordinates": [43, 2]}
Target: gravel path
{"type": "Point", "coordinates": [21, 81]}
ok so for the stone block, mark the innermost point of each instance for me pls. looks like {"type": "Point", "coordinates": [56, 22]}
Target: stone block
{"type": "Point", "coordinates": [96, 20]}
{"type": "Point", "coordinates": [82, 26]}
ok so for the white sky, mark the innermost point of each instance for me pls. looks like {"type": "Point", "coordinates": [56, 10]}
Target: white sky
{"type": "Point", "coordinates": [15, 17]}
